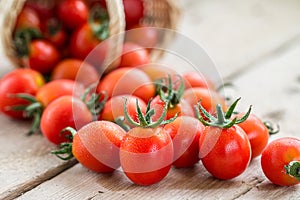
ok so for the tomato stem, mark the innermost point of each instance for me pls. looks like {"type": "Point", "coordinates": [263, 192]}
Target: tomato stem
{"type": "Point", "coordinates": [34, 110]}
{"type": "Point", "coordinates": [223, 120]}
{"type": "Point", "coordinates": [167, 91]}
{"type": "Point", "coordinates": [99, 22]}
{"type": "Point", "coordinates": [293, 169]}
{"type": "Point", "coordinates": [273, 128]}
{"type": "Point", "coordinates": [120, 122]}
{"type": "Point", "coordinates": [96, 101]}
{"type": "Point", "coordinates": [145, 121]}
{"type": "Point", "coordinates": [65, 149]}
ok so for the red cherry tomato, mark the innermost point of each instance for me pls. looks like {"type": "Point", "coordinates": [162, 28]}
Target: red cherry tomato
{"type": "Point", "coordinates": [127, 81]}
{"type": "Point", "coordinates": [45, 10]}
{"type": "Point", "coordinates": [257, 132]}
{"type": "Point", "coordinates": [134, 11]}
{"type": "Point", "coordinates": [83, 41]}
{"type": "Point", "coordinates": [194, 79]}
{"type": "Point", "coordinates": [73, 13]}
{"type": "Point", "coordinates": [26, 81]}
{"type": "Point", "coordinates": [57, 88]}
{"type": "Point", "coordinates": [114, 108]}
{"type": "Point", "coordinates": [54, 32]}
{"type": "Point", "coordinates": [133, 55]}
{"type": "Point", "coordinates": [28, 18]}
{"type": "Point", "coordinates": [76, 70]}
{"type": "Point", "coordinates": [185, 132]}
{"type": "Point", "coordinates": [97, 145]}
{"type": "Point", "coordinates": [181, 109]}
{"type": "Point", "coordinates": [65, 111]}
{"type": "Point", "coordinates": [146, 155]}
{"type": "Point", "coordinates": [224, 147]}
{"type": "Point", "coordinates": [277, 156]}
{"type": "Point", "coordinates": [143, 36]}
{"type": "Point", "coordinates": [43, 56]}
{"type": "Point", "coordinates": [225, 153]}
{"type": "Point", "coordinates": [209, 98]}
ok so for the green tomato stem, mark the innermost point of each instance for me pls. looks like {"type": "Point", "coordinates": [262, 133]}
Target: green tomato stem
{"type": "Point", "coordinates": [293, 169]}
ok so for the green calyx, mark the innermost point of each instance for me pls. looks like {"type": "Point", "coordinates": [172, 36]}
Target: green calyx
{"type": "Point", "coordinates": [33, 110]}
{"type": "Point", "coordinates": [145, 120]}
{"type": "Point", "coordinates": [65, 149]}
{"type": "Point", "coordinates": [99, 22]}
{"type": "Point", "coordinates": [168, 91]}
{"type": "Point", "coordinates": [22, 39]}
{"type": "Point", "coordinates": [293, 169]}
{"type": "Point", "coordinates": [272, 127]}
{"type": "Point", "coordinates": [94, 101]}
{"type": "Point", "coordinates": [222, 119]}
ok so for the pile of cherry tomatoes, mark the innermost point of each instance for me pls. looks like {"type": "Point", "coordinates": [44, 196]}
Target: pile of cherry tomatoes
{"type": "Point", "coordinates": [143, 118]}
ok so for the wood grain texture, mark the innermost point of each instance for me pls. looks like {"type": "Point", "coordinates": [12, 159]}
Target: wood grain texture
{"type": "Point", "coordinates": [25, 161]}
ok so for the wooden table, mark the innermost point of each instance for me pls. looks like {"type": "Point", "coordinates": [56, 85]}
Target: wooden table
{"type": "Point", "coordinates": [254, 44]}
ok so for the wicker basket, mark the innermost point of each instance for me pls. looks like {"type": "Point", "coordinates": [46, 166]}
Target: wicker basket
{"type": "Point", "coordinates": [158, 13]}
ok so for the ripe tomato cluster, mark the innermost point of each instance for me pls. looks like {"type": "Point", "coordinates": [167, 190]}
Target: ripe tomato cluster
{"type": "Point", "coordinates": [176, 120]}
{"type": "Point", "coordinates": [55, 37]}
{"type": "Point", "coordinates": [141, 117]}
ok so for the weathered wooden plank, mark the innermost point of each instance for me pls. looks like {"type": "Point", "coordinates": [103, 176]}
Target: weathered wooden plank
{"type": "Point", "coordinates": [193, 183]}
{"type": "Point", "coordinates": [25, 161]}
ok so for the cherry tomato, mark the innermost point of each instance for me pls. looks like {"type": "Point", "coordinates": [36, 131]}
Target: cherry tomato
{"type": "Point", "coordinates": [225, 153]}
{"type": "Point", "coordinates": [97, 145]}
{"type": "Point", "coordinates": [28, 18]}
{"type": "Point", "coordinates": [224, 147]}
{"type": "Point", "coordinates": [280, 161]}
{"type": "Point", "coordinates": [77, 70]}
{"type": "Point", "coordinates": [44, 9]}
{"type": "Point", "coordinates": [209, 98]}
{"type": "Point", "coordinates": [43, 56]}
{"type": "Point", "coordinates": [194, 79]}
{"type": "Point", "coordinates": [185, 132]}
{"type": "Point", "coordinates": [114, 108]}
{"type": "Point", "coordinates": [127, 81]}
{"type": "Point", "coordinates": [134, 11]}
{"type": "Point", "coordinates": [146, 155]}
{"type": "Point", "coordinates": [257, 132]}
{"type": "Point", "coordinates": [157, 71]}
{"type": "Point", "coordinates": [181, 109]}
{"type": "Point", "coordinates": [57, 88]}
{"type": "Point", "coordinates": [26, 81]}
{"type": "Point", "coordinates": [54, 32]}
{"type": "Point", "coordinates": [83, 41]}
{"type": "Point", "coordinates": [142, 35]}
{"type": "Point", "coordinates": [73, 13]}
{"type": "Point", "coordinates": [65, 111]}
{"type": "Point", "coordinates": [133, 55]}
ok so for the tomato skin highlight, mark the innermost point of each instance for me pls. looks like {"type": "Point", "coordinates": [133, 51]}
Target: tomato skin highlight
{"type": "Point", "coordinates": [65, 111]}
{"type": "Point", "coordinates": [26, 81]}
{"type": "Point", "coordinates": [276, 156]}
{"type": "Point", "coordinates": [96, 146]}
{"type": "Point", "coordinates": [225, 153]}
{"type": "Point", "coordinates": [146, 155]}
{"type": "Point", "coordinates": [185, 132]}
{"type": "Point", "coordinates": [257, 133]}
